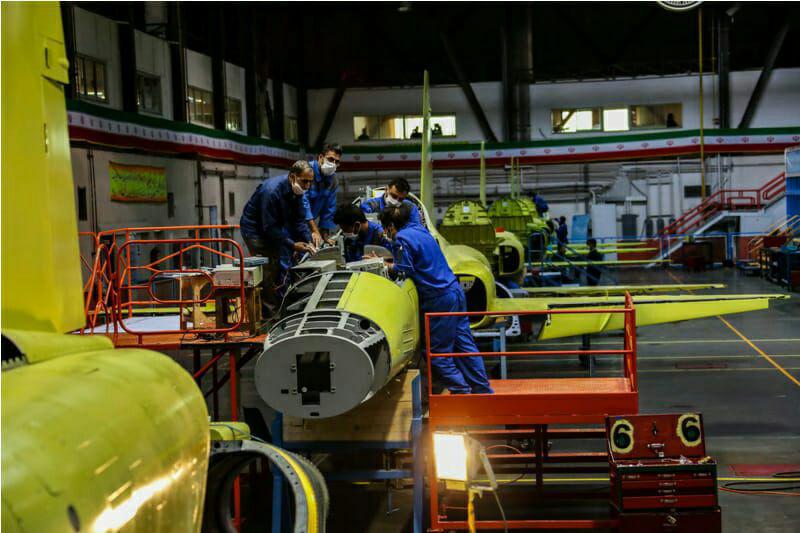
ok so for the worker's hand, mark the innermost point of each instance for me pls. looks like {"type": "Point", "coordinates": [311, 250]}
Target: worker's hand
{"type": "Point", "coordinates": [316, 239]}
{"type": "Point", "coordinates": [329, 241]}
{"type": "Point", "coordinates": [304, 247]}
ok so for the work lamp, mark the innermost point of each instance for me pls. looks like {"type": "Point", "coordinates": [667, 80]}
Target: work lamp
{"type": "Point", "coordinates": [458, 456]}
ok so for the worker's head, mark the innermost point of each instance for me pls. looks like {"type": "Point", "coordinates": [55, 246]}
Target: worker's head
{"type": "Point", "coordinates": [562, 220]}
{"type": "Point", "coordinates": [301, 176]}
{"type": "Point", "coordinates": [350, 218]}
{"type": "Point", "coordinates": [591, 243]}
{"type": "Point", "coordinates": [534, 194]}
{"type": "Point", "coordinates": [397, 191]}
{"type": "Point", "coordinates": [329, 159]}
{"type": "Point", "coordinates": [394, 218]}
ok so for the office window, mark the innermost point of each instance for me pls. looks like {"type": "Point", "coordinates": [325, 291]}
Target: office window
{"type": "Point", "coordinates": [233, 114]}
{"type": "Point", "coordinates": [290, 129]}
{"type": "Point", "coordinates": [656, 116]}
{"type": "Point", "coordinates": [170, 205]}
{"type": "Point", "coordinates": [577, 120]}
{"type": "Point", "coordinates": [90, 79]}
{"type": "Point", "coordinates": [692, 191]}
{"type": "Point", "coordinates": [396, 127]}
{"type": "Point", "coordinates": [83, 212]}
{"type": "Point", "coordinates": [615, 119]}
{"type": "Point", "coordinates": [148, 93]}
{"type": "Point", "coordinates": [231, 204]}
{"type": "Point", "coordinates": [201, 106]}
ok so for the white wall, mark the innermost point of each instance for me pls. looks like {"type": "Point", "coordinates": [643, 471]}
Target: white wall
{"type": "Point", "coordinates": [96, 37]}
{"type": "Point", "coordinates": [780, 104]}
{"type": "Point", "coordinates": [198, 70]}
{"type": "Point", "coordinates": [235, 88]}
{"type": "Point", "coordinates": [152, 57]}
{"type": "Point", "coordinates": [405, 100]}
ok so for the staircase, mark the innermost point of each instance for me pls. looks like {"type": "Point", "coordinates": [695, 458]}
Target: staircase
{"type": "Point", "coordinates": [722, 203]}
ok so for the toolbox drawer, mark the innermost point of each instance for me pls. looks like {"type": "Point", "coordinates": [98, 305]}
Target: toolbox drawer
{"type": "Point", "coordinates": [626, 477]}
{"type": "Point", "coordinates": [678, 485]}
{"type": "Point", "coordinates": [707, 521]}
{"type": "Point", "coordinates": [668, 501]}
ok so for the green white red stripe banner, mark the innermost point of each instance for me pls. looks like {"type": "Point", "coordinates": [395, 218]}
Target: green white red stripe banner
{"type": "Point", "coordinates": [115, 129]}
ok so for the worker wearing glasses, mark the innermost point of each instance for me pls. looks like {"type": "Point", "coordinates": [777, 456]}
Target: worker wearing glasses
{"type": "Point", "coordinates": [274, 225]}
{"type": "Point", "coordinates": [320, 199]}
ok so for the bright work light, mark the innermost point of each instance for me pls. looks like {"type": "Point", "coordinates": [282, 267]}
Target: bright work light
{"type": "Point", "coordinates": [450, 454]}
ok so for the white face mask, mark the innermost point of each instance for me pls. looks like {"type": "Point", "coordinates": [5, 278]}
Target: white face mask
{"type": "Point", "coordinates": [297, 189]}
{"type": "Point", "coordinates": [327, 168]}
{"type": "Point", "coordinates": [353, 235]}
{"type": "Point", "coordinates": [391, 200]}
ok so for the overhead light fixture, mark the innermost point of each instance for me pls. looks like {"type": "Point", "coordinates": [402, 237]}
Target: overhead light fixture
{"type": "Point", "coordinates": [404, 7]}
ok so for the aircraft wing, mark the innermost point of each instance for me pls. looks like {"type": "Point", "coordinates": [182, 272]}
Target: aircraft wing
{"type": "Point", "coordinates": [608, 290]}
{"type": "Point", "coordinates": [650, 310]}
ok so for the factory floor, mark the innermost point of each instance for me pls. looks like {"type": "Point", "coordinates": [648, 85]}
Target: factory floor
{"type": "Point", "coordinates": [751, 409]}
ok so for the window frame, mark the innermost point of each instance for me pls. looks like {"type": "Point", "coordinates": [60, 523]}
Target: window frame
{"type": "Point", "coordinates": [664, 127]}
{"type": "Point", "coordinates": [403, 118]}
{"type": "Point", "coordinates": [191, 103]}
{"type": "Point", "coordinates": [81, 59]}
{"type": "Point", "coordinates": [604, 108]}
{"type": "Point", "coordinates": [228, 113]}
{"type": "Point", "coordinates": [146, 75]}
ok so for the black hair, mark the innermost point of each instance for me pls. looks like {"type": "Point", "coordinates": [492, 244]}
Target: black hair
{"type": "Point", "coordinates": [348, 215]}
{"type": "Point", "coordinates": [396, 215]}
{"type": "Point", "coordinates": [331, 147]}
{"type": "Point", "coordinates": [562, 219]}
{"type": "Point", "coordinates": [591, 242]}
{"type": "Point", "coordinates": [401, 184]}
{"type": "Point", "coordinates": [534, 194]}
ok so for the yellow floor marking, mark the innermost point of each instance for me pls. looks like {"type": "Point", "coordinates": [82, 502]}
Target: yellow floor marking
{"type": "Point", "coordinates": [749, 342]}
{"type": "Point", "coordinates": [690, 341]}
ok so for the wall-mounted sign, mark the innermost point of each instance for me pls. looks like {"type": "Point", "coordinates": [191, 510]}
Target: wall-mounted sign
{"type": "Point", "coordinates": [137, 183]}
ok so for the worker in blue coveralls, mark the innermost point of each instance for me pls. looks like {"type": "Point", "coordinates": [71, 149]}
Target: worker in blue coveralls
{"type": "Point", "coordinates": [562, 230]}
{"type": "Point", "coordinates": [274, 225]}
{"type": "Point", "coordinates": [395, 194]}
{"type": "Point", "coordinates": [320, 198]}
{"type": "Point", "coordinates": [358, 232]}
{"type": "Point", "coordinates": [541, 205]}
{"type": "Point", "coordinates": [417, 255]}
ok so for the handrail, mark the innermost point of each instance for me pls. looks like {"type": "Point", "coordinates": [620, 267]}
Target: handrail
{"type": "Point", "coordinates": [628, 350]}
{"type": "Point", "coordinates": [728, 199]}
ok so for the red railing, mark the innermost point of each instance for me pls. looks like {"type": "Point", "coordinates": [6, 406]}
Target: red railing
{"type": "Point", "coordinates": [534, 402]}
{"type": "Point", "coordinates": [727, 200]}
{"type": "Point", "coordinates": [113, 294]}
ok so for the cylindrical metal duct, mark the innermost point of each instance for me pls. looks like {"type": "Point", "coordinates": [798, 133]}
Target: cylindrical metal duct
{"type": "Point", "coordinates": [343, 336]}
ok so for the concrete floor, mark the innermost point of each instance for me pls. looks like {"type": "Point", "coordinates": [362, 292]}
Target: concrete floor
{"type": "Point", "coordinates": [751, 410]}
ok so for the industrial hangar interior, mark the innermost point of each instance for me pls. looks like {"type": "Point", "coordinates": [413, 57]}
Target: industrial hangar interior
{"type": "Point", "coordinates": [400, 266]}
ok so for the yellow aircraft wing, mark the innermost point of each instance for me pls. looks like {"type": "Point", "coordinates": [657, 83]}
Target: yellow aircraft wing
{"type": "Point", "coordinates": [601, 290]}
{"type": "Point", "coordinates": [620, 262]}
{"type": "Point", "coordinates": [650, 310]}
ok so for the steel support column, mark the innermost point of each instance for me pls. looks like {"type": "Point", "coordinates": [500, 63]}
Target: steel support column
{"type": "Point", "coordinates": [178, 62]}
{"type": "Point", "coordinates": [463, 81]}
{"type": "Point", "coordinates": [330, 114]}
{"type": "Point", "coordinates": [763, 78]}
{"type": "Point", "coordinates": [218, 70]}
{"type": "Point", "coordinates": [68, 22]}
{"type": "Point", "coordinates": [723, 69]}
{"type": "Point", "coordinates": [126, 40]}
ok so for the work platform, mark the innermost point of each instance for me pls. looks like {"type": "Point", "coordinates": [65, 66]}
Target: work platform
{"type": "Point", "coordinates": [533, 412]}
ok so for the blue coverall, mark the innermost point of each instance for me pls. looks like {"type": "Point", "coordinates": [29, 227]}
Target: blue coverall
{"type": "Point", "coordinates": [272, 220]}
{"type": "Point", "coordinates": [320, 199]}
{"type": "Point", "coordinates": [418, 256]}
{"type": "Point", "coordinates": [376, 205]}
{"type": "Point", "coordinates": [541, 205]}
{"type": "Point", "coordinates": [561, 233]}
{"type": "Point", "coordinates": [354, 248]}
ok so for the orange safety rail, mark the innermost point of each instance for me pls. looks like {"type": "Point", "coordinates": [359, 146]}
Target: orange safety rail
{"type": "Point", "coordinates": [786, 227]}
{"type": "Point", "coordinates": [112, 294]}
{"type": "Point", "coordinates": [534, 402]}
{"type": "Point", "coordinates": [727, 200]}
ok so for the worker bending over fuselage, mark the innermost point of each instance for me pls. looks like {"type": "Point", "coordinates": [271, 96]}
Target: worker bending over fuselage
{"type": "Point", "coordinates": [320, 198]}
{"type": "Point", "coordinates": [418, 256]}
{"type": "Point", "coordinates": [358, 232]}
{"type": "Point", "coordinates": [274, 225]}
